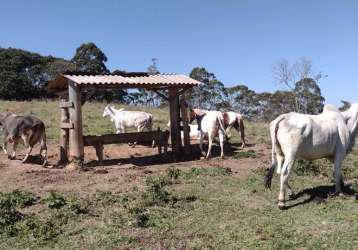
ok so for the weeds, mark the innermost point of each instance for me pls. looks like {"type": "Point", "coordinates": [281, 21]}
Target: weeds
{"type": "Point", "coordinates": [55, 200]}
{"type": "Point", "coordinates": [18, 198]}
{"type": "Point", "coordinates": [245, 154]}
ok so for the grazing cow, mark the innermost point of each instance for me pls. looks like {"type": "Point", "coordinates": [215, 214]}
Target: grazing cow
{"type": "Point", "coordinates": [210, 124]}
{"type": "Point", "coordinates": [28, 130]}
{"type": "Point", "coordinates": [125, 119]}
{"type": "Point", "coordinates": [232, 119]}
{"type": "Point", "coordinates": [330, 135]}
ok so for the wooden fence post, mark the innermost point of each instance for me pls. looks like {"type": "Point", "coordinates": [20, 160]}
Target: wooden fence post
{"type": "Point", "coordinates": [64, 134]}
{"type": "Point", "coordinates": [76, 134]}
{"type": "Point", "coordinates": [174, 120]}
{"type": "Point", "coordinates": [186, 129]}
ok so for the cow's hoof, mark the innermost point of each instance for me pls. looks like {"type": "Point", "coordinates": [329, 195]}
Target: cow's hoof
{"type": "Point", "coordinates": [202, 158]}
{"type": "Point", "coordinates": [44, 164]}
{"type": "Point", "coordinates": [10, 157]}
{"type": "Point", "coordinates": [222, 157]}
{"type": "Point", "coordinates": [281, 205]}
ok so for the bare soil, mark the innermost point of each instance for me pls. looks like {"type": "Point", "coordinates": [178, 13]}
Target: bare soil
{"type": "Point", "coordinates": [124, 168]}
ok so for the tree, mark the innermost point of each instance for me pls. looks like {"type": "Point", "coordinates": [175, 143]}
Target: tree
{"type": "Point", "coordinates": [211, 94]}
{"type": "Point", "coordinates": [309, 98]}
{"type": "Point", "coordinates": [23, 75]}
{"type": "Point", "coordinates": [302, 81]}
{"type": "Point", "coordinates": [90, 59]}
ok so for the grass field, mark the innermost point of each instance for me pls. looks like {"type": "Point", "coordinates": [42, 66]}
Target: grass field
{"type": "Point", "coordinates": [191, 208]}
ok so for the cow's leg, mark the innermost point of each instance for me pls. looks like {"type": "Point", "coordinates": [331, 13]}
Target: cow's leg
{"type": "Point", "coordinates": [13, 153]}
{"type": "Point", "coordinates": [221, 140]}
{"type": "Point", "coordinates": [290, 192]}
{"type": "Point", "coordinates": [338, 159]}
{"type": "Point", "coordinates": [286, 169]}
{"type": "Point", "coordinates": [28, 147]}
{"type": "Point", "coordinates": [43, 148]}
{"type": "Point", "coordinates": [4, 146]}
{"type": "Point", "coordinates": [210, 143]}
{"type": "Point", "coordinates": [228, 132]}
{"type": "Point", "coordinates": [201, 143]}
{"type": "Point", "coordinates": [280, 159]}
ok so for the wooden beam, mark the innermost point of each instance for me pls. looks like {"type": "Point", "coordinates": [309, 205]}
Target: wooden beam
{"type": "Point", "coordinates": [64, 104]}
{"type": "Point", "coordinates": [161, 94]}
{"type": "Point", "coordinates": [186, 129]}
{"type": "Point", "coordinates": [66, 125]}
{"type": "Point", "coordinates": [76, 134]}
{"type": "Point", "coordinates": [174, 120]}
{"type": "Point", "coordinates": [182, 91]}
{"type": "Point", "coordinates": [139, 137]}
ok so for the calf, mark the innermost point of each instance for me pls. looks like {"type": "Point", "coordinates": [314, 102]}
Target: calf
{"type": "Point", "coordinates": [28, 130]}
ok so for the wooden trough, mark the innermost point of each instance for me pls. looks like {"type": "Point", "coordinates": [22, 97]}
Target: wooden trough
{"type": "Point", "coordinates": [160, 138]}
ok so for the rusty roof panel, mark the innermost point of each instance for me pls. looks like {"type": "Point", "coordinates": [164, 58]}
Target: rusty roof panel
{"type": "Point", "coordinates": [137, 80]}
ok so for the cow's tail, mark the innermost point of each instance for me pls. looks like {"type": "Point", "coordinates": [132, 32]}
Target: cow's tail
{"type": "Point", "coordinates": [221, 125]}
{"type": "Point", "coordinates": [242, 131]}
{"type": "Point", "coordinates": [276, 149]}
{"type": "Point", "coordinates": [150, 122]}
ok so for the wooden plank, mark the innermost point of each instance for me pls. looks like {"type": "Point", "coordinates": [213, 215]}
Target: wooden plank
{"type": "Point", "coordinates": [64, 105]}
{"type": "Point", "coordinates": [76, 134]}
{"type": "Point", "coordinates": [174, 120]}
{"type": "Point", "coordinates": [186, 129]}
{"type": "Point", "coordinates": [139, 137]}
{"type": "Point", "coordinates": [66, 125]}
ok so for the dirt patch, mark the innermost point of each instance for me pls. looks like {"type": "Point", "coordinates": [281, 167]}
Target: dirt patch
{"type": "Point", "coordinates": [123, 169]}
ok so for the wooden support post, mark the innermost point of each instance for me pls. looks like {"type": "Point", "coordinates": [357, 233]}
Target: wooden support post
{"type": "Point", "coordinates": [64, 135]}
{"type": "Point", "coordinates": [174, 120]}
{"type": "Point", "coordinates": [186, 130]}
{"type": "Point", "coordinates": [76, 134]}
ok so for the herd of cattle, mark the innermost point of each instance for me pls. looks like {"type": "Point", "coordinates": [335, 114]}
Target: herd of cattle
{"type": "Point", "coordinates": [209, 124]}
{"type": "Point", "coordinates": [330, 135]}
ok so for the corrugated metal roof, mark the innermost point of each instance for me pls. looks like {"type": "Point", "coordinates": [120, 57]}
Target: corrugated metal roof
{"type": "Point", "coordinates": [125, 80]}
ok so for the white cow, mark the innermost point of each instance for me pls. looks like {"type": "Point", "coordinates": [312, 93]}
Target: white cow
{"type": "Point", "coordinates": [234, 120]}
{"type": "Point", "coordinates": [330, 134]}
{"type": "Point", "coordinates": [126, 119]}
{"type": "Point", "coordinates": [194, 132]}
{"type": "Point", "coordinates": [210, 125]}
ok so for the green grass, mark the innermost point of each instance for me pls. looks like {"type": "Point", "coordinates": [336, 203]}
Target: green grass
{"type": "Point", "coordinates": [201, 208]}
{"type": "Point", "coordinates": [93, 122]}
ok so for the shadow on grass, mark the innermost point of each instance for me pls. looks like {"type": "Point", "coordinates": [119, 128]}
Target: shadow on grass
{"type": "Point", "coordinates": [320, 194]}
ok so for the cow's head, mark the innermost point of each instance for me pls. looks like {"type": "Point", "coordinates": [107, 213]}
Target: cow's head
{"type": "Point", "coordinates": [3, 117]}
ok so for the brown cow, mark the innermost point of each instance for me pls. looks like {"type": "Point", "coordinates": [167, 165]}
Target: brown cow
{"type": "Point", "coordinates": [28, 130]}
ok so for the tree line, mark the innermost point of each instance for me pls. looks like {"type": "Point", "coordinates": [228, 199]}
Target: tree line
{"type": "Point", "coordinates": [24, 76]}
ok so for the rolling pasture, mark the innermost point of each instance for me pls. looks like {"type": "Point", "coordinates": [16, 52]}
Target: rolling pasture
{"type": "Point", "coordinates": [139, 200]}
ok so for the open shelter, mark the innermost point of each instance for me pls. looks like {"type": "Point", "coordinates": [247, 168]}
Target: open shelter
{"type": "Point", "coordinates": [72, 85]}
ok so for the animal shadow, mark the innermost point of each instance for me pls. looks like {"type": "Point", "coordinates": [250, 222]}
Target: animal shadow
{"type": "Point", "coordinates": [321, 194]}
